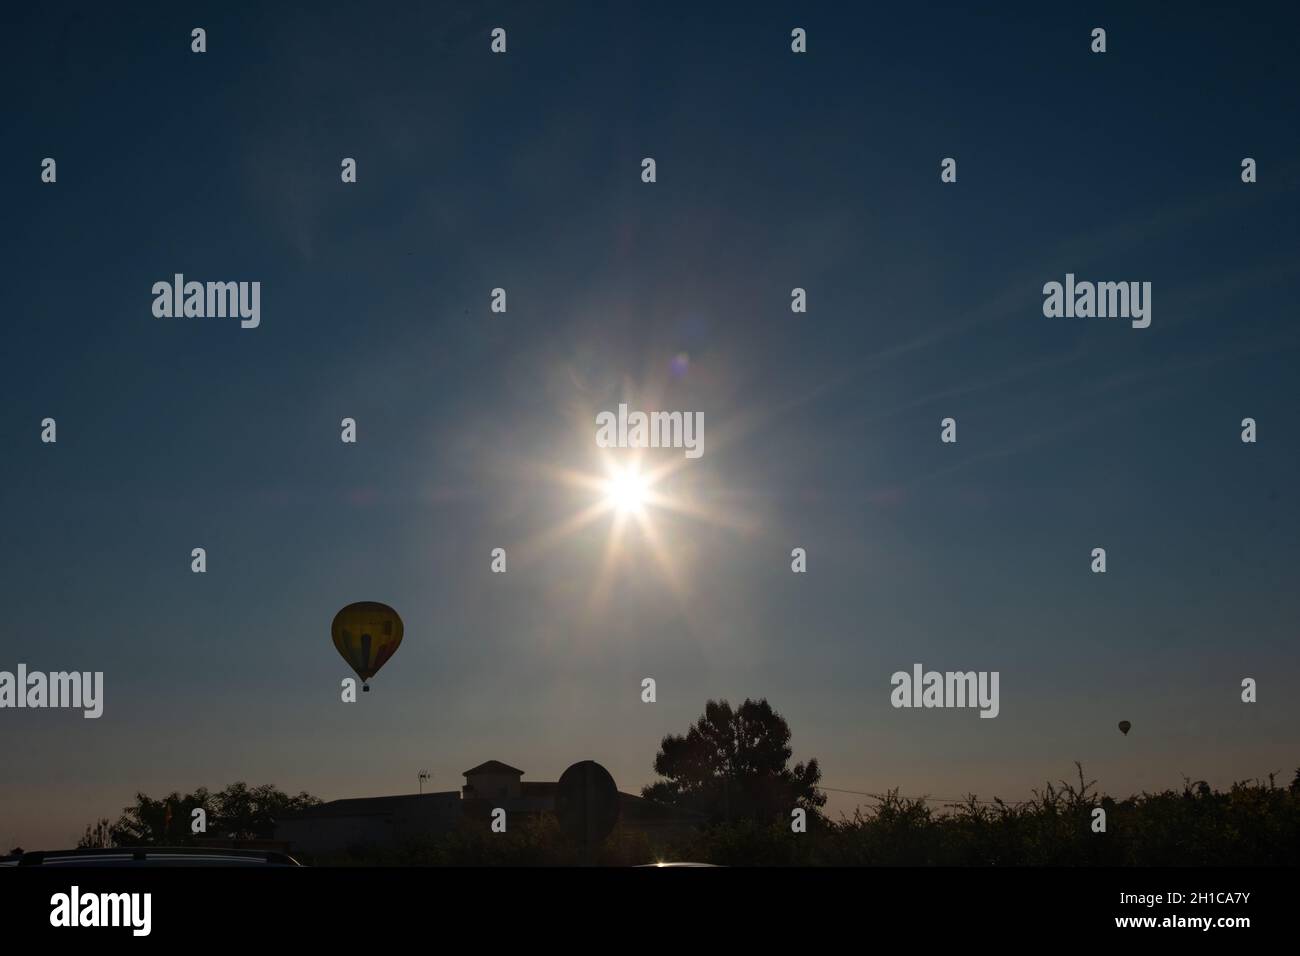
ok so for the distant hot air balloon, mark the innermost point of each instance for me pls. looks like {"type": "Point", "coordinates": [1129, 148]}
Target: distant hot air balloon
{"type": "Point", "coordinates": [367, 635]}
{"type": "Point", "coordinates": [1124, 725]}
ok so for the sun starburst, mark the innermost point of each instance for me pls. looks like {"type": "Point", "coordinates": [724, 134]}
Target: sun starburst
{"type": "Point", "coordinates": [649, 497]}
{"type": "Point", "coordinates": [626, 491]}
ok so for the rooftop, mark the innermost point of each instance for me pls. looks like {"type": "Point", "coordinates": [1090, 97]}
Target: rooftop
{"type": "Point", "coordinates": [370, 806]}
{"type": "Point", "coordinates": [493, 766]}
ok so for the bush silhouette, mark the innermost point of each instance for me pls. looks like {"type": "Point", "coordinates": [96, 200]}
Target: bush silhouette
{"type": "Point", "coordinates": [1250, 823]}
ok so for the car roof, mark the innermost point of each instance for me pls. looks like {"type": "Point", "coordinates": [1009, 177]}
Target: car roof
{"type": "Point", "coordinates": [151, 856]}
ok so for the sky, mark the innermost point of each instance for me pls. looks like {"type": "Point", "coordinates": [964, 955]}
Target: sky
{"type": "Point", "coordinates": [821, 429]}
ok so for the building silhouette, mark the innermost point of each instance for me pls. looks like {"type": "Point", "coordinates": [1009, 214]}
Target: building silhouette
{"type": "Point", "coordinates": [378, 823]}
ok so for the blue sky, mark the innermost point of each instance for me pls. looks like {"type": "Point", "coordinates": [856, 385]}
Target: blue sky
{"type": "Point", "coordinates": [821, 430]}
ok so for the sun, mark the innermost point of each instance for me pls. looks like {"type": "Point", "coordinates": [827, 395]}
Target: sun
{"type": "Point", "coordinates": [626, 491]}
{"type": "Point", "coordinates": [649, 499]}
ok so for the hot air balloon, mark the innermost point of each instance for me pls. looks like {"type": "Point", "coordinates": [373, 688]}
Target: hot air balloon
{"type": "Point", "coordinates": [367, 635]}
{"type": "Point", "coordinates": [1124, 725]}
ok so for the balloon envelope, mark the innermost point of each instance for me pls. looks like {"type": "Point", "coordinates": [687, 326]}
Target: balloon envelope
{"type": "Point", "coordinates": [366, 634]}
{"type": "Point", "coordinates": [1124, 725]}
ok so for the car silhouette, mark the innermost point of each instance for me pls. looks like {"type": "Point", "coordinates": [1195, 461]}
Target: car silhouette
{"type": "Point", "coordinates": [150, 856]}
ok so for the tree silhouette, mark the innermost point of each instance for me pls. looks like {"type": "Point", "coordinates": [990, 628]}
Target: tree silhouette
{"type": "Point", "coordinates": [244, 813]}
{"type": "Point", "coordinates": [239, 812]}
{"type": "Point", "coordinates": [732, 765]}
{"type": "Point", "coordinates": [163, 822]}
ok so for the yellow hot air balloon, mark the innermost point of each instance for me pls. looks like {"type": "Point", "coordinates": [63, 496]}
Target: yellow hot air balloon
{"type": "Point", "coordinates": [367, 634]}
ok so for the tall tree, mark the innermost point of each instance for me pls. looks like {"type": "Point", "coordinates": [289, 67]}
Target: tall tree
{"type": "Point", "coordinates": [732, 765]}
